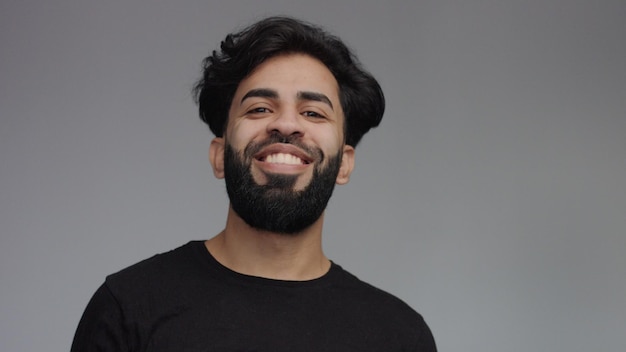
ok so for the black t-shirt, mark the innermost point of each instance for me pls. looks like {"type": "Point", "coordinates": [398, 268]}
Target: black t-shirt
{"type": "Point", "coordinates": [184, 300]}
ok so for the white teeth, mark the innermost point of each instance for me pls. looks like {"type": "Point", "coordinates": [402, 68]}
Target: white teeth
{"type": "Point", "coordinates": [282, 158]}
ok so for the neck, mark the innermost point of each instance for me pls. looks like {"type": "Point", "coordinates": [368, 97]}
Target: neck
{"type": "Point", "coordinates": [246, 250]}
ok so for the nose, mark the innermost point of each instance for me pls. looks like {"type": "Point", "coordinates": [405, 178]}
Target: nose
{"type": "Point", "coordinates": [287, 123]}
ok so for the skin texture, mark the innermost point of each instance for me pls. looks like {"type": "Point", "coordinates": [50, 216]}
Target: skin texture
{"type": "Point", "coordinates": [295, 96]}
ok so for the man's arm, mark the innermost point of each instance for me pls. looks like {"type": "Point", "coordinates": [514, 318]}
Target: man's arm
{"type": "Point", "coordinates": [101, 326]}
{"type": "Point", "coordinates": [426, 341]}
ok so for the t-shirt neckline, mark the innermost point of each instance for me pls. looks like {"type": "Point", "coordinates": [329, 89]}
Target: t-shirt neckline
{"type": "Point", "coordinates": [232, 275]}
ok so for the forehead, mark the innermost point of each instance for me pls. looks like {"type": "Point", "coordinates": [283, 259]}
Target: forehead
{"type": "Point", "coordinates": [290, 74]}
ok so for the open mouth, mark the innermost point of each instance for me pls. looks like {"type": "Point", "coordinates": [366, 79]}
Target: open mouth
{"type": "Point", "coordinates": [283, 154]}
{"type": "Point", "coordinates": [283, 158]}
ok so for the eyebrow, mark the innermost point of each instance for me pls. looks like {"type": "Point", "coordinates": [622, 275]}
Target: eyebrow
{"type": "Point", "coordinates": [272, 94]}
{"type": "Point", "coordinates": [261, 93]}
{"type": "Point", "coordinates": [313, 96]}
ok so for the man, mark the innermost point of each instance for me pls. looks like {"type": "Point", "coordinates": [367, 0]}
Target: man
{"type": "Point", "coordinates": [288, 103]}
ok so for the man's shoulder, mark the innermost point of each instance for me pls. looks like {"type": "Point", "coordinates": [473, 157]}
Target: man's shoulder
{"type": "Point", "coordinates": [155, 270]}
{"type": "Point", "coordinates": [373, 309]}
{"type": "Point", "coordinates": [376, 298]}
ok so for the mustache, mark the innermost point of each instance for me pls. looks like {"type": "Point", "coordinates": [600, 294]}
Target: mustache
{"type": "Point", "coordinates": [276, 137]}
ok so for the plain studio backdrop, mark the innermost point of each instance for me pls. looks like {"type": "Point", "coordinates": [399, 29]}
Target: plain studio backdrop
{"type": "Point", "coordinates": [492, 198]}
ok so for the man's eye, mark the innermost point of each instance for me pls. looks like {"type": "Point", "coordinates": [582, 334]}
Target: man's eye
{"type": "Point", "coordinates": [259, 111]}
{"type": "Point", "coordinates": [313, 114]}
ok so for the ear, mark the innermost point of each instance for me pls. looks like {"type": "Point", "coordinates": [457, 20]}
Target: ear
{"type": "Point", "coordinates": [347, 165]}
{"type": "Point", "coordinates": [216, 156]}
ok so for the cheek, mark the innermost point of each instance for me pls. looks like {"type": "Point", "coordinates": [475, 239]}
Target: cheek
{"type": "Point", "coordinates": [332, 143]}
{"type": "Point", "coordinates": [241, 133]}
{"type": "Point", "coordinates": [236, 138]}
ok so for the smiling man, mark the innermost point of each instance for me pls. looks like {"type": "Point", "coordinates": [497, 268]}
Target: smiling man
{"type": "Point", "coordinates": [288, 104]}
{"type": "Point", "coordinates": [283, 148]}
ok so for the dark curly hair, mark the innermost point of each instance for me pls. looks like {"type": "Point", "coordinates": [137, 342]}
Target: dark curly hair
{"type": "Point", "coordinates": [361, 97]}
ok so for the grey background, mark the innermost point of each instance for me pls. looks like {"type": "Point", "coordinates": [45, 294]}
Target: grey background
{"type": "Point", "coordinates": [492, 198]}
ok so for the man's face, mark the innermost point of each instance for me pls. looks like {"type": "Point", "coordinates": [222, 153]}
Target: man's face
{"type": "Point", "coordinates": [283, 147]}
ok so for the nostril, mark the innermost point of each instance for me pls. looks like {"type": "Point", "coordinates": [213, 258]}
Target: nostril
{"type": "Point", "coordinates": [278, 137]}
{"type": "Point", "coordinates": [285, 124]}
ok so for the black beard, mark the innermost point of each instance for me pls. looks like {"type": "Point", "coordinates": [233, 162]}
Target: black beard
{"type": "Point", "coordinates": [276, 206]}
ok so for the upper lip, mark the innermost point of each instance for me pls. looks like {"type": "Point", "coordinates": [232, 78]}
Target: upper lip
{"type": "Point", "coordinates": [283, 148]}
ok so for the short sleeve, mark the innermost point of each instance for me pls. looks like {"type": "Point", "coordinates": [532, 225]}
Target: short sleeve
{"type": "Point", "coordinates": [101, 327]}
{"type": "Point", "coordinates": [426, 341]}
